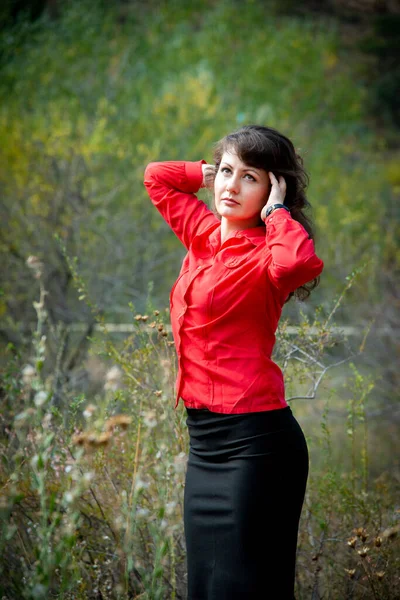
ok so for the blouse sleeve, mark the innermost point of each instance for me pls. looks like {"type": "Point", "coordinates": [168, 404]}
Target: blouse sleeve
{"type": "Point", "coordinates": [171, 187]}
{"type": "Point", "coordinates": [294, 261]}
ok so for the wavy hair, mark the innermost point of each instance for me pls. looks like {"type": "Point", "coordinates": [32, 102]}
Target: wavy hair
{"type": "Point", "coordinates": [265, 148]}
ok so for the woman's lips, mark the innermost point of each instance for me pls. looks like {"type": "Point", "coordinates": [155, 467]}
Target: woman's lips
{"type": "Point", "coordinates": [229, 201]}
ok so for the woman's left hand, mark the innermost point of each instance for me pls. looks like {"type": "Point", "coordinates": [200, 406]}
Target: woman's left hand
{"type": "Point", "coordinates": [277, 192]}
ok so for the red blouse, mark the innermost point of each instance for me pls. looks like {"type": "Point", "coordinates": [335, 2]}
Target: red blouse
{"type": "Point", "coordinates": [228, 298]}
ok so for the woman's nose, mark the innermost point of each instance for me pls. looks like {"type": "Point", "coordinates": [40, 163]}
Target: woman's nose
{"type": "Point", "coordinates": [232, 185]}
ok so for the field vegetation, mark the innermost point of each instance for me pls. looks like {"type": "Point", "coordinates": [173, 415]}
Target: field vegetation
{"type": "Point", "coordinates": [93, 455]}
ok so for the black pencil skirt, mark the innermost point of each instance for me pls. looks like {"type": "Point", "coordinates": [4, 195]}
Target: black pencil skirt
{"type": "Point", "coordinates": [245, 484]}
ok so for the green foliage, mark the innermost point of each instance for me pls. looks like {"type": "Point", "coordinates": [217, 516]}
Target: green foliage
{"type": "Point", "coordinates": [382, 42]}
{"type": "Point", "coordinates": [91, 495]}
{"type": "Point", "coordinates": [92, 491]}
{"type": "Point", "coordinates": [87, 101]}
{"type": "Point", "coordinates": [350, 528]}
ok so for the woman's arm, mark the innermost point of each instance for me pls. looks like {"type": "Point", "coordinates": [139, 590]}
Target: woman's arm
{"type": "Point", "coordinates": [294, 261]}
{"type": "Point", "coordinates": [171, 187]}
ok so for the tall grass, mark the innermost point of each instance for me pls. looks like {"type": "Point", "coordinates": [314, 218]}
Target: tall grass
{"type": "Point", "coordinates": [92, 488]}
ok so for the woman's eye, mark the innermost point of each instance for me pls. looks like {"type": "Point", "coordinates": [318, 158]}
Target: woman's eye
{"type": "Point", "coordinates": [225, 170]}
{"type": "Point", "coordinates": [250, 176]}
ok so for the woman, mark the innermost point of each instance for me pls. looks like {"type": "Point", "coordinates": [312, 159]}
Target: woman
{"type": "Point", "coordinates": [248, 459]}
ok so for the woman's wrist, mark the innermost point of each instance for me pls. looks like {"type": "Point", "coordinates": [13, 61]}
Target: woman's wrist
{"type": "Point", "coordinates": [270, 208]}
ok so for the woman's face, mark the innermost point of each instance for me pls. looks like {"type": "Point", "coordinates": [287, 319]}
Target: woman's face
{"type": "Point", "coordinates": [240, 191]}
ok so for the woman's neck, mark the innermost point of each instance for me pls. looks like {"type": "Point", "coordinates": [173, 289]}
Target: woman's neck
{"type": "Point", "coordinates": [229, 228]}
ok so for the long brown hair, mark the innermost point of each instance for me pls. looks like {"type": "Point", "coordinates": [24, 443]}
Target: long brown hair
{"type": "Point", "coordinates": [265, 148]}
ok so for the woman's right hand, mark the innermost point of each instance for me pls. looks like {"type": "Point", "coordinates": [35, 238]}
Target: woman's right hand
{"type": "Point", "coordinates": [208, 175]}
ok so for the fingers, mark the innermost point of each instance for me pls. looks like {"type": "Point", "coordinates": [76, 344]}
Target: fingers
{"type": "Point", "coordinates": [274, 181]}
{"type": "Point", "coordinates": [208, 175]}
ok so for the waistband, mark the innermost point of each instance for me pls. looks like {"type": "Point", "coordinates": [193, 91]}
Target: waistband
{"type": "Point", "coordinates": [244, 434]}
{"type": "Point", "coordinates": [201, 414]}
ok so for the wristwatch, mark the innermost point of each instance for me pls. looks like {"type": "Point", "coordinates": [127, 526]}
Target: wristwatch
{"type": "Point", "coordinates": [274, 207]}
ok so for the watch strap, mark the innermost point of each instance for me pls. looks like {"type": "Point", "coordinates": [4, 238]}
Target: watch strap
{"type": "Point", "coordinates": [274, 207]}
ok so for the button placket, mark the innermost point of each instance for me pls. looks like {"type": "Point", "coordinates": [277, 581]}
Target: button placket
{"type": "Point", "coordinates": [180, 323]}
{"type": "Point", "coordinates": [184, 309]}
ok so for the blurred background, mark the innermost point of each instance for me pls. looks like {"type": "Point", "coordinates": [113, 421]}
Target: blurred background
{"type": "Point", "coordinates": [92, 91]}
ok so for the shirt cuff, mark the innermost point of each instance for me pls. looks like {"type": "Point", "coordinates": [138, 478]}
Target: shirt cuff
{"type": "Point", "coordinates": [194, 174]}
{"type": "Point", "coordinates": [279, 214]}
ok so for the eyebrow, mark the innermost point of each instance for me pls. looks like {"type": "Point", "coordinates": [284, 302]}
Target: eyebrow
{"type": "Point", "coordinates": [257, 171]}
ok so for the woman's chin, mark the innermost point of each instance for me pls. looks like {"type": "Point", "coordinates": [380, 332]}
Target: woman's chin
{"type": "Point", "coordinates": [230, 212]}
